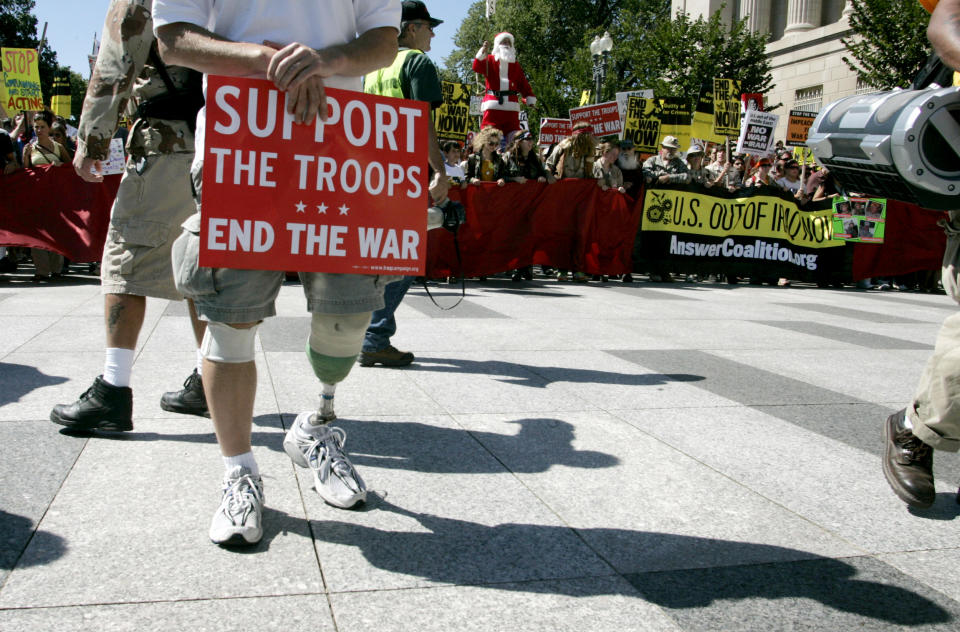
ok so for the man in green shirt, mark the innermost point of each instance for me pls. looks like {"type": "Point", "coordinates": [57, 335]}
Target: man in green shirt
{"type": "Point", "coordinates": [411, 76]}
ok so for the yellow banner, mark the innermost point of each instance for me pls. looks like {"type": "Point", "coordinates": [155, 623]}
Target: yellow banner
{"type": "Point", "coordinates": [20, 89]}
{"type": "Point", "coordinates": [642, 124]}
{"type": "Point", "coordinates": [726, 107]}
{"type": "Point", "coordinates": [759, 216]}
{"type": "Point", "coordinates": [452, 119]}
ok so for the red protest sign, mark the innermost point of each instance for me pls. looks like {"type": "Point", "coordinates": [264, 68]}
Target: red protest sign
{"type": "Point", "coordinates": [345, 195]}
{"type": "Point", "coordinates": [604, 117]}
{"type": "Point", "coordinates": [553, 130]}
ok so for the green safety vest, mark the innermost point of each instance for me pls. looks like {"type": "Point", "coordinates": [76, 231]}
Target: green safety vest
{"type": "Point", "coordinates": [386, 81]}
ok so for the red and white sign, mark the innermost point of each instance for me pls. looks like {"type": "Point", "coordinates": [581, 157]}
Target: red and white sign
{"type": "Point", "coordinates": [348, 194]}
{"type": "Point", "coordinates": [553, 130]}
{"type": "Point", "coordinates": [604, 117]}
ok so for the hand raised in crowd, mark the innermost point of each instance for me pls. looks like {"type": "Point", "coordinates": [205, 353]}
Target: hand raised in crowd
{"type": "Point", "coordinates": [84, 167]}
{"type": "Point", "coordinates": [299, 71]}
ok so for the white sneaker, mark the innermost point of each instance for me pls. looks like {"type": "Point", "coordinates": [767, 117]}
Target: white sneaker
{"type": "Point", "coordinates": [320, 448]}
{"type": "Point", "coordinates": [238, 520]}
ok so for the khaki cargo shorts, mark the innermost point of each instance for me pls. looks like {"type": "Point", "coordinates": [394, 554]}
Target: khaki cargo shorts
{"type": "Point", "coordinates": [153, 200]}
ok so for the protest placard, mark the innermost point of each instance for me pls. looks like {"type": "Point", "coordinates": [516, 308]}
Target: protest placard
{"type": "Point", "coordinates": [116, 160]}
{"type": "Point", "coordinates": [21, 80]}
{"type": "Point", "coordinates": [553, 130]}
{"type": "Point", "coordinates": [60, 99]}
{"type": "Point", "coordinates": [726, 107]}
{"type": "Point", "coordinates": [452, 119]}
{"type": "Point", "coordinates": [798, 125]}
{"type": "Point", "coordinates": [860, 220]}
{"type": "Point", "coordinates": [756, 137]}
{"type": "Point", "coordinates": [348, 194]}
{"type": "Point", "coordinates": [675, 118]}
{"type": "Point", "coordinates": [603, 117]}
{"type": "Point", "coordinates": [621, 100]}
{"type": "Point", "coordinates": [702, 125]}
{"type": "Point", "coordinates": [642, 124]}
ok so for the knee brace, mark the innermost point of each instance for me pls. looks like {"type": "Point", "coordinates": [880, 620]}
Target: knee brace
{"type": "Point", "coordinates": [223, 343]}
{"type": "Point", "coordinates": [335, 341]}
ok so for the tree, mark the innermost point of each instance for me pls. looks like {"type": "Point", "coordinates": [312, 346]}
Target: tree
{"type": "Point", "coordinates": [890, 46]}
{"type": "Point", "coordinates": [673, 57]}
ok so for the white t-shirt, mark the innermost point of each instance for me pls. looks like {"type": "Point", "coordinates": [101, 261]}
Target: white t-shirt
{"type": "Point", "coordinates": [792, 187]}
{"type": "Point", "coordinates": [316, 23]}
{"type": "Point", "coordinates": [454, 171]}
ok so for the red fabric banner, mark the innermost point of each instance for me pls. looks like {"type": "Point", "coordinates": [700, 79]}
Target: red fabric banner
{"type": "Point", "coordinates": [53, 209]}
{"type": "Point", "coordinates": [572, 224]}
{"type": "Point", "coordinates": [912, 241]}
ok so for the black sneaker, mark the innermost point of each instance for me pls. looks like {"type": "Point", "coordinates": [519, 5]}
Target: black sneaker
{"type": "Point", "coordinates": [908, 463]}
{"type": "Point", "coordinates": [102, 406]}
{"type": "Point", "coordinates": [190, 400]}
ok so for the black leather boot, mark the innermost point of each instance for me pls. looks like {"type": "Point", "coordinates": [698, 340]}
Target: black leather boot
{"type": "Point", "coordinates": [102, 406]}
{"type": "Point", "coordinates": [190, 400]}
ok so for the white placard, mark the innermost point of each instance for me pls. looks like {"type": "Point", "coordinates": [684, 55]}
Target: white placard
{"type": "Point", "coordinates": [116, 160]}
{"type": "Point", "coordinates": [756, 133]}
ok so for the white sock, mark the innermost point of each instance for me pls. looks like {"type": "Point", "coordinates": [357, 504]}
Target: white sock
{"type": "Point", "coordinates": [199, 363]}
{"type": "Point", "coordinates": [328, 389]}
{"type": "Point", "coordinates": [245, 460]}
{"type": "Point", "coordinates": [117, 366]}
{"type": "Point", "coordinates": [907, 423]}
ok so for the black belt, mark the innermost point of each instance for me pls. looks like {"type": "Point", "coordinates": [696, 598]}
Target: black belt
{"type": "Point", "coordinates": [502, 94]}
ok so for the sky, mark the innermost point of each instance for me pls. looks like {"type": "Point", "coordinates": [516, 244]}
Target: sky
{"type": "Point", "coordinates": [71, 25]}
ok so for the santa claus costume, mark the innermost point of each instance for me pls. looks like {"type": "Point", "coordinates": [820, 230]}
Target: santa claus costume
{"type": "Point", "coordinates": [505, 83]}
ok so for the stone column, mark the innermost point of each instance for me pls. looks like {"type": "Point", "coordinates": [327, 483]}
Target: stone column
{"type": "Point", "coordinates": [757, 13]}
{"type": "Point", "coordinates": [802, 15]}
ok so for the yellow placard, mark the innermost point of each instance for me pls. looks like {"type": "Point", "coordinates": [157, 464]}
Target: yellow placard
{"type": "Point", "coordinates": [726, 107]}
{"type": "Point", "coordinates": [757, 216]}
{"type": "Point", "coordinates": [452, 119]}
{"type": "Point", "coordinates": [702, 126]}
{"type": "Point", "coordinates": [642, 124]}
{"type": "Point", "coordinates": [21, 80]}
{"type": "Point", "coordinates": [675, 117]}
{"type": "Point", "coordinates": [60, 100]}
{"type": "Point", "coordinates": [584, 98]}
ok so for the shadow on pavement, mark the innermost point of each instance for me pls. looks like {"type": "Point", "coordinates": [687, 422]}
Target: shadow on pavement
{"type": "Point", "coordinates": [539, 377]}
{"type": "Point", "coordinates": [18, 531]}
{"type": "Point", "coordinates": [461, 552]}
{"type": "Point", "coordinates": [540, 444]}
{"type": "Point", "coordinates": [20, 379]}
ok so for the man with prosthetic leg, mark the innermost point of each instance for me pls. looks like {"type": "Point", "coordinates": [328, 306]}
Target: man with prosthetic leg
{"type": "Point", "coordinates": [318, 44]}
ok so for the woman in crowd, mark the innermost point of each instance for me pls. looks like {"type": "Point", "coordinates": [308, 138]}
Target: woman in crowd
{"type": "Point", "coordinates": [43, 150]}
{"type": "Point", "coordinates": [485, 165]}
{"type": "Point", "coordinates": [762, 177]}
{"type": "Point", "coordinates": [605, 170]}
{"type": "Point", "coordinates": [58, 132]}
{"type": "Point", "coordinates": [523, 163]}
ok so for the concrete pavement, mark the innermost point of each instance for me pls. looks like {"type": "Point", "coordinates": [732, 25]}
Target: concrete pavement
{"type": "Point", "coordinates": [560, 457]}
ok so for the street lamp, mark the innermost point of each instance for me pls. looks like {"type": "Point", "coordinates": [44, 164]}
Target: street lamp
{"type": "Point", "coordinates": [600, 48]}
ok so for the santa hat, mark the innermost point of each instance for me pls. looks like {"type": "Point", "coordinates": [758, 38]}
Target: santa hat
{"type": "Point", "coordinates": [502, 36]}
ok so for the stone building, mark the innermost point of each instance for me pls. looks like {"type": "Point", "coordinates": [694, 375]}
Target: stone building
{"type": "Point", "coordinates": [805, 50]}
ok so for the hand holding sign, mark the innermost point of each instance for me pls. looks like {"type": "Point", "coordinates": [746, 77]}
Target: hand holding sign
{"type": "Point", "coordinates": [299, 70]}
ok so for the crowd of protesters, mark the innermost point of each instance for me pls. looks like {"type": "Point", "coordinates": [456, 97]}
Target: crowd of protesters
{"type": "Point", "coordinates": [30, 140]}
{"type": "Point", "coordinates": [40, 138]}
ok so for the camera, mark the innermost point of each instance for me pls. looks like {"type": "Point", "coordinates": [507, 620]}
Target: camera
{"type": "Point", "coordinates": [454, 214]}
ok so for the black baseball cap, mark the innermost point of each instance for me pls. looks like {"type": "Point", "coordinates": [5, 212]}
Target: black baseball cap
{"type": "Point", "coordinates": [417, 10]}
